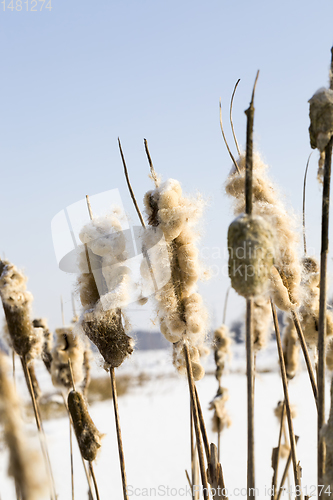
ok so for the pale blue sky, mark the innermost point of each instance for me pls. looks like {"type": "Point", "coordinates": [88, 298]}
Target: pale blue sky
{"type": "Point", "coordinates": [76, 78]}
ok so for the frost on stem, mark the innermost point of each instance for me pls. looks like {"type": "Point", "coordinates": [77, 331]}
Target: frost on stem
{"type": "Point", "coordinates": [321, 123]}
{"type": "Point", "coordinates": [88, 437]}
{"type": "Point", "coordinates": [180, 308]}
{"type": "Point", "coordinates": [67, 348]}
{"type": "Point", "coordinates": [47, 342]}
{"type": "Point", "coordinates": [25, 339]}
{"type": "Point", "coordinates": [290, 348]}
{"type": "Point", "coordinates": [104, 287]}
{"type": "Point", "coordinates": [267, 203]}
{"type": "Point", "coordinates": [25, 462]}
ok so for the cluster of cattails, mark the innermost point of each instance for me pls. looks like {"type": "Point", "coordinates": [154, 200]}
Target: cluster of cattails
{"type": "Point", "coordinates": [181, 311]}
{"type": "Point", "coordinates": [104, 288]}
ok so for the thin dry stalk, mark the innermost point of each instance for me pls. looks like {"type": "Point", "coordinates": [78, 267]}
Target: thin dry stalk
{"type": "Point", "coordinates": [285, 472]}
{"type": "Point", "coordinates": [119, 439]}
{"type": "Point", "coordinates": [189, 481]}
{"type": "Point", "coordinates": [129, 186]}
{"type": "Point", "coordinates": [40, 429]}
{"type": "Point", "coordinates": [277, 454]}
{"type": "Point", "coordinates": [91, 468]}
{"type": "Point", "coordinates": [196, 420]}
{"type": "Point", "coordinates": [202, 425]}
{"type": "Point", "coordinates": [72, 461]}
{"type": "Point", "coordinates": [304, 191]}
{"type": "Point", "coordinates": [297, 476]}
{"type": "Point", "coordinates": [249, 307]}
{"type": "Point", "coordinates": [226, 142]}
{"type": "Point", "coordinates": [323, 305]}
{"type": "Point", "coordinates": [305, 354]}
{"type": "Point", "coordinates": [230, 116]}
{"type": "Point", "coordinates": [193, 457]}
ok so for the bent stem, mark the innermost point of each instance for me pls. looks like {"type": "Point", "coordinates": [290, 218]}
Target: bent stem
{"type": "Point", "coordinates": [297, 477]}
{"type": "Point", "coordinates": [119, 439]}
{"type": "Point", "coordinates": [196, 419]}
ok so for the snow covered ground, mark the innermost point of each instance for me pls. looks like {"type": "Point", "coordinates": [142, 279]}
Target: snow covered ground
{"type": "Point", "coordinates": [155, 428]}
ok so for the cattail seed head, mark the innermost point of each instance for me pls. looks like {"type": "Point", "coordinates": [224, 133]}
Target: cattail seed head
{"type": "Point", "coordinates": [47, 342]}
{"type": "Point", "coordinates": [290, 348]}
{"type": "Point", "coordinates": [221, 419]}
{"type": "Point", "coordinates": [68, 347]}
{"type": "Point", "coordinates": [221, 343]}
{"type": "Point", "coordinates": [250, 243]}
{"type": "Point", "coordinates": [262, 319]}
{"type": "Point", "coordinates": [25, 339]}
{"type": "Point", "coordinates": [88, 437]}
{"type": "Point", "coordinates": [321, 118]}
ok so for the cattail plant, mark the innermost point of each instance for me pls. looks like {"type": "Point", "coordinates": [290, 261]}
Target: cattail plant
{"type": "Point", "coordinates": [290, 348]}
{"type": "Point", "coordinates": [26, 340]}
{"type": "Point", "coordinates": [25, 463]}
{"type": "Point", "coordinates": [321, 137]}
{"type": "Point", "coordinates": [68, 348]}
{"type": "Point", "coordinates": [103, 286]}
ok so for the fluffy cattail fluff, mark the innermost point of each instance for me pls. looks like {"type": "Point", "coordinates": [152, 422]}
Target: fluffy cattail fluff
{"type": "Point", "coordinates": [25, 463]}
{"type": "Point", "coordinates": [290, 348]}
{"type": "Point", "coordinates": [262, 319]}
{"type": "Point", "coordinates": [179, 360]}
{"type": "Point", "coordinates": [181, 310]}
{"type": "Point", "coordinates": [309, 311]}
{"type": "Point", "coordinates": [222, 352]}
{"type": "Point", "coordinates": [47, 343]}
{"type": "Point", "coordinates": [34, 381]}
{"type": "Point", "coordinates": [221, 419]}
{"type": "Point", "coordinates": [103, 285]}
{"type": "Point", "coordinates": [250, 246]}
{"type": "Point", "coordinates": [267, 204]}
{"type": "Point", "coordinates": [25, 339]}
{"type": "Point", "coordinates": [321, 126]}
{"type": "Point", "coordinates": [67, 347]}
{"type": "Point", "coordinates": [88, 437]}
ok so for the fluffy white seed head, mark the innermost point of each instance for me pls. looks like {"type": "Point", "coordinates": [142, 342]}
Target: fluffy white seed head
{"type": "Point", "coordinates": [67, 348]}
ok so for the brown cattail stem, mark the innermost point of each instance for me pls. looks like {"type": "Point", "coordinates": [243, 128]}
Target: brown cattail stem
{"type": "Point", "coordinates": [71, 454]}
{"type": "Point", "coordinates": [91, 469]}
{"type": "Point", "coordinates": [202, 425]}
{"type": "Point", "coordinates": [305, 354]}
{"type": "Point", "coordinates": [196, 420]}
{"type": "Point", "coordinates": [277, 451]}
{"type": "Point", "coordinates": [193, 457]}
{"type": "Point", "coordinates": [119, 439]}
{"type": "Point", "coordinates": [249, 306]}
{"type": "Point", "coordinates": [323, 307]}
{"type": "Point", "coordinates": [285, 472]}
{"type": "Point", "coordinates": [39, 428]}
{"type": "Point", "coordinates": [297, 477]}
{"type": "Point", "coordinates": [129, 186]}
